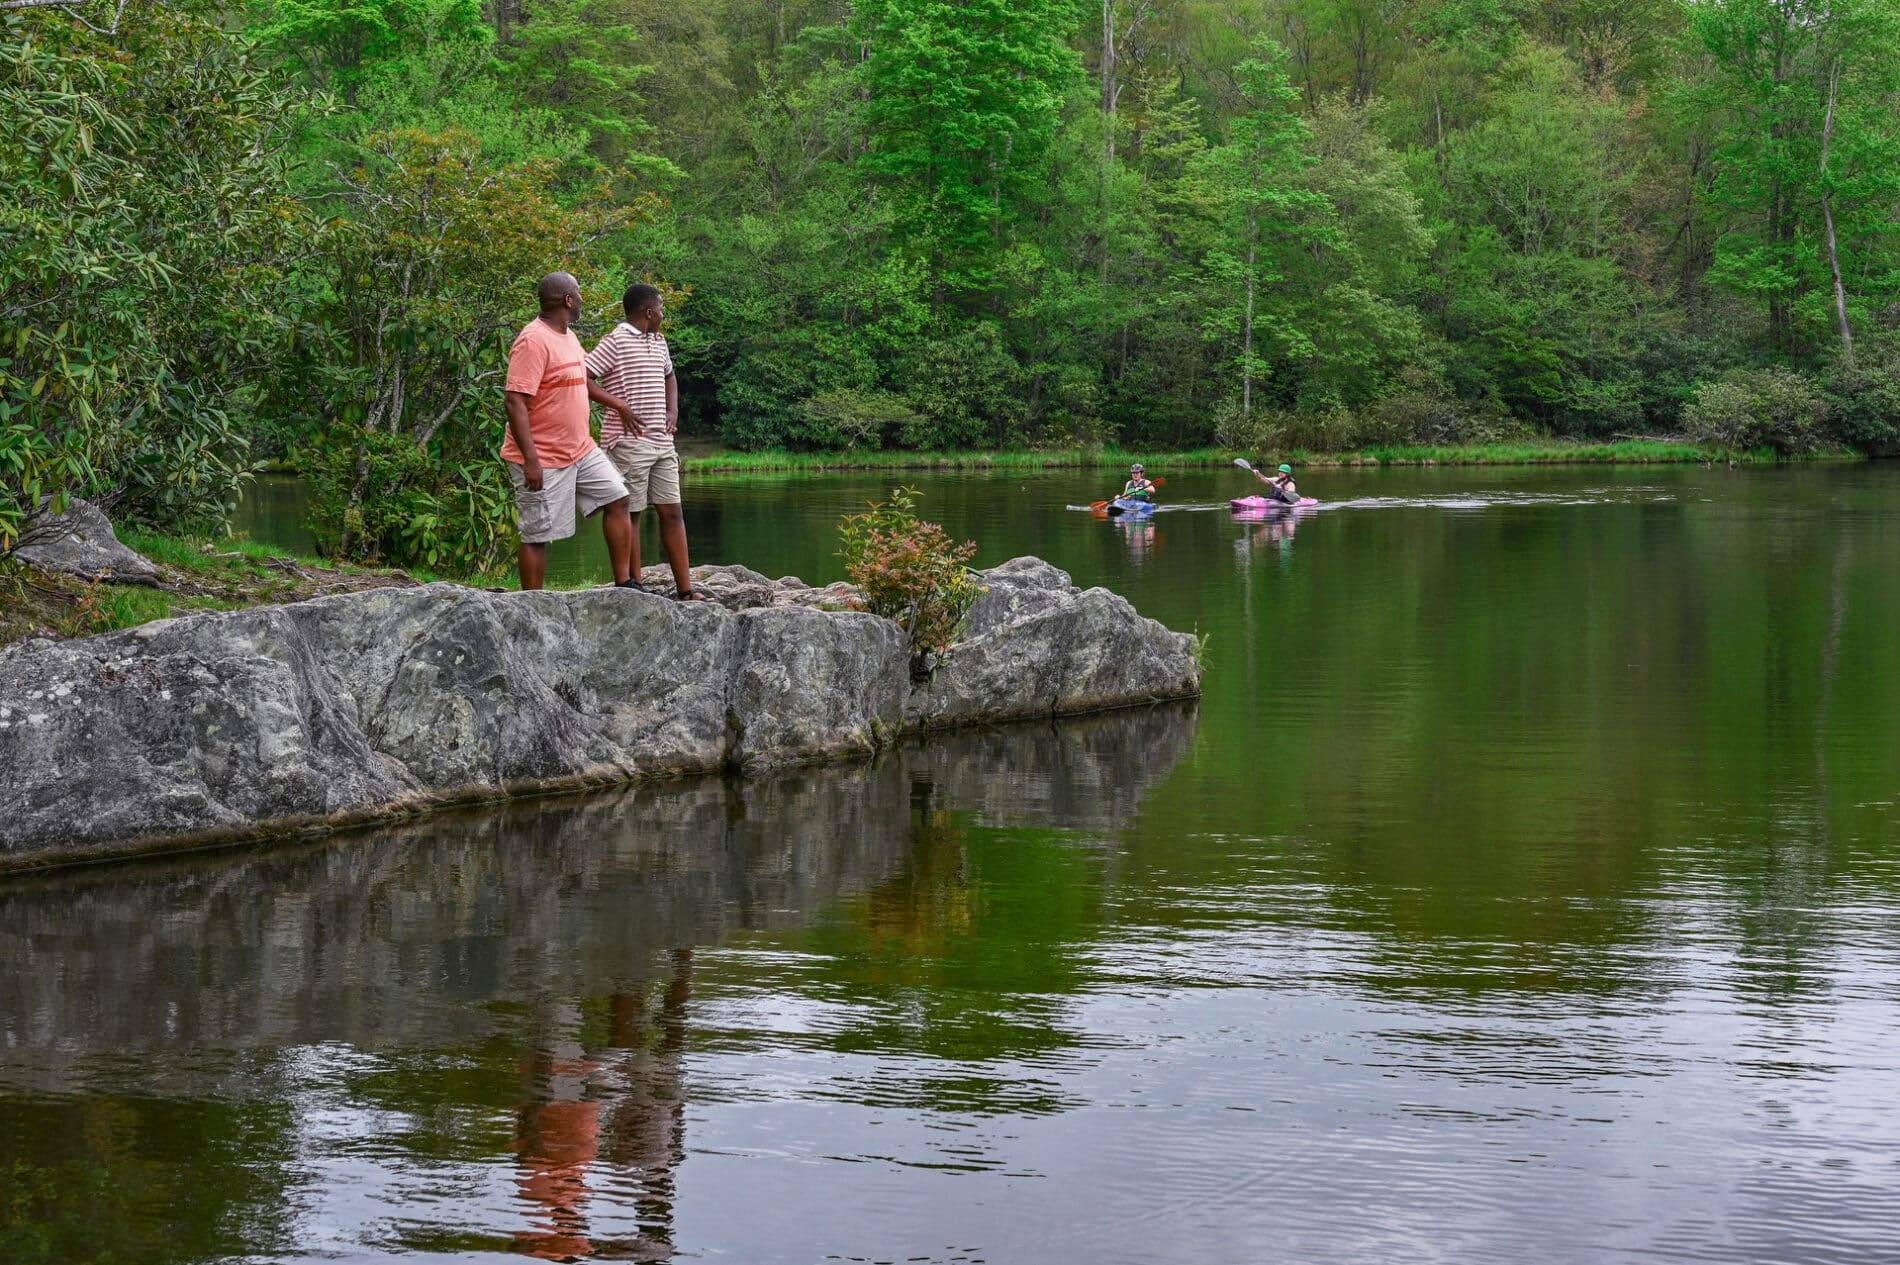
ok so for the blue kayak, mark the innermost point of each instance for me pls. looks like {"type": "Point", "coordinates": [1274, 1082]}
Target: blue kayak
{"type": "Point", "coordinates": [1127, 507]}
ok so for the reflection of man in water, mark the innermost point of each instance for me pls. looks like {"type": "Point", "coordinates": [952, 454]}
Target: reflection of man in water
{"type": "Point", "coordinates": [623, 1116]}
{"type": "Point", "coordinates": [645, 1131]}
{"type": "Point", "coordinates": [557, 1136]}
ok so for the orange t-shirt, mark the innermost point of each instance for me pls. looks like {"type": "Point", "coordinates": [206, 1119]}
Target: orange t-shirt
{"type": "Point", "coordinates": [547, 366]}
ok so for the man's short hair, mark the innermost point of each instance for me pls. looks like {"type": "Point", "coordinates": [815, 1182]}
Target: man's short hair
{"type": "Point", "coordinates": [638, 296]}
{"type": "Point", "coordinates": [554, 289]}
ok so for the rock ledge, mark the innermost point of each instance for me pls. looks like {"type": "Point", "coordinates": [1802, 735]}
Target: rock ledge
{"type": "Point", "coordinates": [372, 705]}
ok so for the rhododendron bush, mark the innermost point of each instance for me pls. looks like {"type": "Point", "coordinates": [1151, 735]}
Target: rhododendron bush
{"type": "Point", "coordinates": [910, 571]}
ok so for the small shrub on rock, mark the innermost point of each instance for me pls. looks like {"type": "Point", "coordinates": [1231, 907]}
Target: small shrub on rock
{"type": "Point", "coordinates": [910, 570]}
{"type": "Point", "coordinates": [1758, 408]}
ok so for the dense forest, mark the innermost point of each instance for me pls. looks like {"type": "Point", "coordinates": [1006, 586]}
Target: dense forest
{"type": "Point", "coordinates": [308, 227]}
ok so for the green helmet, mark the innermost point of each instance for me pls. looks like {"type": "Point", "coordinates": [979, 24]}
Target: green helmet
{"type": "Point", "coordinates": [1285, 469]}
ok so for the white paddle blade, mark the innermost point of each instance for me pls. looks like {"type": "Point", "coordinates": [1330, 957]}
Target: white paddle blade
{"type": "Point", "coordinates": [1242, 463]}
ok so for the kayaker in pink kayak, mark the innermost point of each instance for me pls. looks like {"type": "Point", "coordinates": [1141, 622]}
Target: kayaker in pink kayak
{"type": "Point", "coordinates": [1281, 484]}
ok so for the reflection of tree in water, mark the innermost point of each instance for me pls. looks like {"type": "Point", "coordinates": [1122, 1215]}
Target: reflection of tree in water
{"type": "Point", "coordinates": [424, 965]}
{"type": "Point", "coordinates": [598, 1122]}
{"type": "Point", "coordinates": [916, 911]}
{"type": "Point", "coordinates": [133, 1177]}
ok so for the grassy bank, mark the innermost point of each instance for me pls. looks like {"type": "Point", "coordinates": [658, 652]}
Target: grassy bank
{"type": "Point", "coordinates": [706, 457]}
{"type": "Point", "coordinates": [194, 575]}
{"type": "Point", "coordinates": [1512, 453]}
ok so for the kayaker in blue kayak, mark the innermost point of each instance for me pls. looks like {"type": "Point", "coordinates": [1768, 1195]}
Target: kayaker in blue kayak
{"type": "Point", "coordinates": [1138, 488]}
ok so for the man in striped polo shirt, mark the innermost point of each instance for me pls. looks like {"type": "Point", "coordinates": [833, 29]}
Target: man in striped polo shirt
{"type": "Point", "coordinates": [632, 372]}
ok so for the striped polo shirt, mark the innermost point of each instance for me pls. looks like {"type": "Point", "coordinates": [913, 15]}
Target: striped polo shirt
{"type": "Point", "coordinates": [633, 366]}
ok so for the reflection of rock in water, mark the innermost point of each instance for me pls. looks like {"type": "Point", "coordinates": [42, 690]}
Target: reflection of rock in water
{"type": "Point", "coordinates": [402, 938]}
{"type": "Point", "coordinates": [1087, 773]}
{"type": "Point", "coordinates": [388, 972]}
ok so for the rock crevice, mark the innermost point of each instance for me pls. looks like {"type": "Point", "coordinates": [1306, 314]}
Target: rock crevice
{"type": "Point", "coordinates": [364, 705]}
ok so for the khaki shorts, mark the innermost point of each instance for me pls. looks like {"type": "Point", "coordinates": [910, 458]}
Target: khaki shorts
{"type": "Point", "coordinates": [652, 472]}
{"type": "Point", "coordinates": [548, 515]}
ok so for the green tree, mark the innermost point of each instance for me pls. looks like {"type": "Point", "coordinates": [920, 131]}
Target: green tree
{"type": "Point", "coordinates": [145, 229]}
{"type": "Point", "coordinates": [1533, 296]}
{"type": "Point", "coordinates": [964, 97]}
{"type": "Point", "coordinates": [1798, 95]}
{"type": "Point", "coordinates": [431, 272]}
{"type": "Point", "coordinates": [1352, 280]}
{"type": "Point", "coordinates": [573, 58]}
{"type": "Point", "coordinates": [1260, 202]}
{"type": "Point", "coordinates": [343, 45]}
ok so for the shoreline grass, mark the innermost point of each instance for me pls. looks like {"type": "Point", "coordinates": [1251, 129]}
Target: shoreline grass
{"type": "Point", "coordinates": [1517, 452]}
{"type": "Point", "coordinates": [1511, 453]}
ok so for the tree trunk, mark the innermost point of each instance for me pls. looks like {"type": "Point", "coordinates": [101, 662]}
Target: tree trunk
{"type": "Point", "coordinates": [1691, 253]}
{"type": "Point", "coordinates": [359, 485]}
{"type": "Point", "coordinates": [1780, 221]}
{"type": "Point", "coordinates": [1246, 320]}
{"type": "Point", "coordinates": [1441, 157]}
{"type": "Point", "coordinates": [1827, 216]}
{"type": "Point", "coordinates": [1108, 123]}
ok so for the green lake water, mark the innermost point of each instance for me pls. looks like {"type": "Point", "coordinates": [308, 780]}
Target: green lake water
{"type": "Point", "coordinates": [1526, 887]}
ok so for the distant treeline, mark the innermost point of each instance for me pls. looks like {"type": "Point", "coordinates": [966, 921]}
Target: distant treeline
{"type": "Point", "coordinates": [311, 225]}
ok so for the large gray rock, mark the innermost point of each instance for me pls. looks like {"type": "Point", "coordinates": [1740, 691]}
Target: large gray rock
{"type": "Point", "coordinates": [741, 588]}
{"type": "Point", "coordinates": [812, 685]}
{"type": "Point", "coordinates": [369, 704]}
{"type": "Point", "coordinates": [81, 542]}
{"type": "Point", "coordinates": [1038, 646]}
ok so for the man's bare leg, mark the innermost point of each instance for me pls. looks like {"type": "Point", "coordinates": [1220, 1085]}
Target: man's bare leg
{"type": "Point", "coordinates": [673, 540]}
{"type": "Point", "coordinates": [623, 543]}
{"type": "Point", "coordinates": [533, 562]}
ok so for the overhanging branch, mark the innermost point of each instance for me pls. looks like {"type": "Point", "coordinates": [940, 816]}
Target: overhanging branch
{"type": "Point", "coordinates": [73, 7]}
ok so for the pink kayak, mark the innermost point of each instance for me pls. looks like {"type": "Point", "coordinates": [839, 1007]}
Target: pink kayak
{"type": "Point", "coordinates": [1257, 503]}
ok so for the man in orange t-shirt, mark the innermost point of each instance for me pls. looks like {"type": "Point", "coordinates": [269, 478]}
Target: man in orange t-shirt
{"type": "Point", "coordinates": [552, 459]}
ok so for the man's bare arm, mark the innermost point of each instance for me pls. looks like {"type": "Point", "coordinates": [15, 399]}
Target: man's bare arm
{"type": "Point", "coordinates": [524, 439]}
{"type": "Point", "coordinates": [607, 399]}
